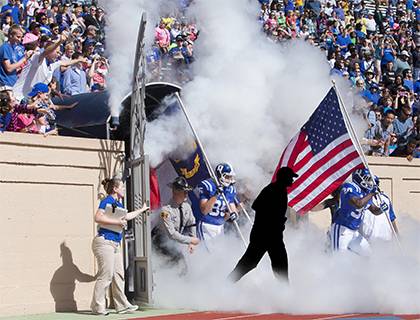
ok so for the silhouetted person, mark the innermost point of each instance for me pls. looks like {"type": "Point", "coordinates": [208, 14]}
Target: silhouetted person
{"type": "Point", "coordinates": [267, 232]}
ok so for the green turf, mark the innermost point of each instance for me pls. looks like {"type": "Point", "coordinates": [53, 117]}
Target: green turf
{"type": "Point", "coordinates": [86, 315]}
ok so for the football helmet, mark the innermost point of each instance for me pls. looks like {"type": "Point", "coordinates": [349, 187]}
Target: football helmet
{"type": "Point", "coordinates": [225, 174]}
{"type": "Point", "coordinates": [363, 179]}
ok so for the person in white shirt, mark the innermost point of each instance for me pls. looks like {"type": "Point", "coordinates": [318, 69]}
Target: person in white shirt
{"type": "Point", "coordinates": [40, 67]}
{"type": "Point", "coordinates": [377, 227]}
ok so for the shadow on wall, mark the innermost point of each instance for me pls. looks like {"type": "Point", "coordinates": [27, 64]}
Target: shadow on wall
{"type": "Point", "coordinates": [63, 282]}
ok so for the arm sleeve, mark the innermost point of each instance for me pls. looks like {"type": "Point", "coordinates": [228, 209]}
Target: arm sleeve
{"type": "Point", "coordinates": [103, 203]}
{"type": "Point", "coordinates": [170, 229]}
{"type": "Point", "coordinates": [8, 54]}
{"type": "Point", "coordinates": [205, 190]}
{"type": "Point", "coordinates": [67, 82]}
{"type": "Point", "coordinates": [392, 216]}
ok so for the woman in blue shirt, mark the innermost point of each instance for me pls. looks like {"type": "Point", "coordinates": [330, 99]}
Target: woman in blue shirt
{"type": "Point", "coordinates": [106, 247]}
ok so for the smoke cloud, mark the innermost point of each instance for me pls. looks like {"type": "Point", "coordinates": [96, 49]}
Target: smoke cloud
{"type": "Point", "coordinates": [248, 98]}
{"type": "Point", "coordinates": [386, 282]}
{"type": "Point", "coordinates": [123, 20]}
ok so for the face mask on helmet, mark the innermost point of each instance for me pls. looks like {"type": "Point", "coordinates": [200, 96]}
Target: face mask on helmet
{"type": "Point", "coordinates": [363, 179]}
{"type": "Point", "coordinates": [225, 174]}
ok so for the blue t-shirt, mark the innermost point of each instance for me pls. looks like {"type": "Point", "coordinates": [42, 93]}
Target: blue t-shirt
{"type": "Point", "coordinates": [343, 41]}
{"type": "Point", "coordinates": [5, 121]}
{"type": "Point", "coordinates": [8, 52]}
{"type": "Point", "coordinates": [108, 234]}
{"type": "Point", "coordinates": [371, 97]}
{"type": "Point", "coordinates": [388, 56]}
{"type": "Point", "coordinates": [20, 51]}
{"type": "Point", "coordinates": [207, 189]}
{"type": "Point", "coordinates": [14, 12]}
{"type": "Point", "coordinates": [347, 214]}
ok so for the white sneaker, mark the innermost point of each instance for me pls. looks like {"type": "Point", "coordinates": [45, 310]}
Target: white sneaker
{"type": "Point", "coordinates": [129, 309]}
{"type": "Point", "coordinates": [104, 313]}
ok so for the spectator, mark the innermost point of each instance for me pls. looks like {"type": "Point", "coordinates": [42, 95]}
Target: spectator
{"type": "Point", "coordinates": [91, 19]}
{"type": "Point", "coordinates": [9, 62]}
{"type": "Point", "coordinates": [403, 125]}
{"type": "Point", "coordinates": [8, 22]}
{"type": "Point", "coordinates": [97, 74]}
{"type": "Point", "coordinates": [381, 135]}
{"type": "Point", "coordinates": [41, 67]}
{"type": "Point", "coordinates": [74, 79]}
{"type": "Point", "coordinates": [5, 111]}
{"type": "Point", "coordinates": [401, 63]}
{"type": "Point", "coordinates": [406, 150]}
{"type": "Point", "coordinates": [163, 37]}
{"type": "Point", "coordinates": [11, 9]}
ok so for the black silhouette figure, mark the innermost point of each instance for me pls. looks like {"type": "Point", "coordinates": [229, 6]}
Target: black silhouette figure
{"type": "Point", "coordinates": [267, 232]}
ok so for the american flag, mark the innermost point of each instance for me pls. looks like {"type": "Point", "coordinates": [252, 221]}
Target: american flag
{"type": "Point", "coordinates": [322, 154]}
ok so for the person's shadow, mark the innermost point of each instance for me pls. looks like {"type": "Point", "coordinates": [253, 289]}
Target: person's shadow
{"type": "Point", "coordinates": [63, 282]}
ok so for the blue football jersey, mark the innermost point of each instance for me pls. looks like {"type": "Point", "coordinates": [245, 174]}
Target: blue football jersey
{"type": "Point", "coordinates": [207, 189]}
{"type": "Point", "coordinates": [347, 214]}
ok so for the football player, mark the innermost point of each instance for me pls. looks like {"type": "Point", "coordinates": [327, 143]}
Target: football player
{"type": "Point", "coordinates": [214, 209]}
{"type": "Point", "coordinates": [355, 197]}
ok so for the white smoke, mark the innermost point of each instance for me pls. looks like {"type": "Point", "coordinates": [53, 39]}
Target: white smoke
{"type": "Point", "coordinates": [386, 282]}
{"type": "Point", "coordinates": [123, 20]}
{"type": "Point", "coordinates": [248, 98]}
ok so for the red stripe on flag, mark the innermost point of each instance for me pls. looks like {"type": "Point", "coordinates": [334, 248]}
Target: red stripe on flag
{"type": "Point", "coordinates": [331, 170]}
{"type": "Point", "coordinates": [299, 147]}
{"type": "Point", "coordinates": [289, 146]}
{"type": "Point", "coordinates": [331, 154]}
{"type": "Point", "coordinates": [329, 190]}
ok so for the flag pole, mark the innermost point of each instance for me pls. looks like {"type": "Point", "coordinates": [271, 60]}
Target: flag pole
{"type": "Point", "coordinates": [359, 149]}
{"type": "Point", "coordinates": [207, 162]}
{"type": "Point", "coordinates": [245, 212]}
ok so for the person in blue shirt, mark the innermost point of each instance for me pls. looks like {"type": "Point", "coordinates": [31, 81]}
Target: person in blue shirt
{"type": "Point", "coordinates": [12, 9]}
{"type": "Point", "coordinates": [371, 95]}
{"type": "Point", "coordinates": [106, 247]}
{"type": "Point", "coordinates": [214, 210]}
{"type": "Point", "coordinates": [355, 197]}
{"type": "Point", "coordinates": [5, 111]}
{"type": "Point", "coordinates": [343, 40]}
{"type": "Point", "coordinates": [9, 57]}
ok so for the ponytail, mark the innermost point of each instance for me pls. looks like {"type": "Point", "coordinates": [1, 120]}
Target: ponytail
{"type": "Point", "coordinates": [110, 184]}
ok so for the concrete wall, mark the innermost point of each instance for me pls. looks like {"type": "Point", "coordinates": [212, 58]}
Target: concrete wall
{"type": "Point", "coordinates": [399, 179]}
{"type": "Point", "coordinates": [49, 190]}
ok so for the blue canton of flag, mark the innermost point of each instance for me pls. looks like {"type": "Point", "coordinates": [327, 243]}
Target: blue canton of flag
{"type": "Point", "coordinates": [325, 124]}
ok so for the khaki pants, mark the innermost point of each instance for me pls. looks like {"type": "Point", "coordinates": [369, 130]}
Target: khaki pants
{"type": "Point", "coordinates": [110, 272]}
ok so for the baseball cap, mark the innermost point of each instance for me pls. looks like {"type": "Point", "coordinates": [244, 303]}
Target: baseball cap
{"type": "Point", "coordinates": [38, 88]}
{"type": "Point", "coordinates": [29, 38]}
{"type": "Point", "coordinates": [405, 53]}
{"type": "Point", "coordinates": [286, 171]}
{"type": "Point", "coordinates": [89, 42]}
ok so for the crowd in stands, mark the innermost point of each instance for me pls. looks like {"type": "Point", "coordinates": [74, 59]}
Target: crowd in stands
{"type": "Point", "coordinates": [172, 52]}
{"type": "Point", "coordinates": [49, 48]}
{"type": "Point", "coordinates": [375, 44]}
{"type": "Point", "coordinates": [54, 48]}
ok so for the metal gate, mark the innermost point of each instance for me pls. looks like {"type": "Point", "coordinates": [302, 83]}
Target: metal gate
{"type": "Point", "coordinates": [138, 247]}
